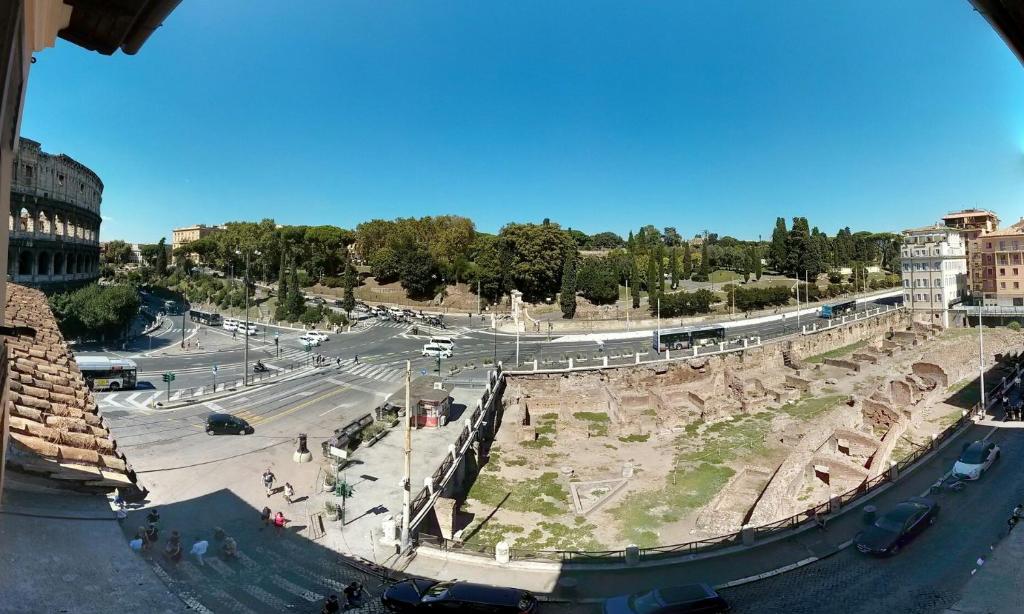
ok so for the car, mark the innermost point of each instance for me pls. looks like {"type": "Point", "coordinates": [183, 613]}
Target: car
{"type": "Point", "coordinates": [308, 339]}
{"type": "Point", "coordinates": [226, 424]}
{"type": "Point", "coordinates": [677, 599]}
{"type": "Point", "coordinates": [318, 334]}
{"type": "Point", "coordinates": [230, 324]}
{"type": "Point", "coordinates": [434, 350]}
{"type": "Point", "coordinates": [252, 329]}
{"type": "Point", "coordinates": [975, 459]}
{"type": "Point", "coordinates": [422, 595]}
{"type": "Point", "coordinates": [897, 527]}
{"type": "Point", "coordinates": [319, 301]}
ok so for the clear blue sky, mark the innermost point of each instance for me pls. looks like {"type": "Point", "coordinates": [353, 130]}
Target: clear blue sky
{"type": "Point", "coordinates": [600, 115]}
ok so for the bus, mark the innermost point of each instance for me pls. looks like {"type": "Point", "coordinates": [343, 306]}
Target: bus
{"type": "Point", "coordinates": [205, 317]}
{"type": "Point", "coordinates": [685, 337]}
{"type": "Point", "coordinates": [834, 310]}
{"type": "Point", "coordinates": [102, 373]}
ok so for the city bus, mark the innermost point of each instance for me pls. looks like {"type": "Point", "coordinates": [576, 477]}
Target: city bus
{"type": "Point", "coordinates": [685, 337]}
{"type": "Point", "coordinates": [102, 373]}
{"type": "Point", "coordinates": [834, 310]}
{"type": "Point", "coordinates": [205, 317]}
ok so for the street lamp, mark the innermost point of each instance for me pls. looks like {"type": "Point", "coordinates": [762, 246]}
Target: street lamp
{"type": "Point", "coordinates": [245, 286]}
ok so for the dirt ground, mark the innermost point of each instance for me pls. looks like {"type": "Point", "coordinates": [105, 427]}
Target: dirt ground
{"type": "Point", "coordinates": [632, 456]}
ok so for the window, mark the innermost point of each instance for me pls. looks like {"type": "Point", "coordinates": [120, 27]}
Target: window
{"type": "Point", "coordinates": [1002, 245]}
{"type": "Point", "coordinates": [906, 298]}
{"type": "Point", "coordinates": [60, 178]}
{"type": "Point", "coordinates": [938, 283]}
{"type": "Point", "coordinates": [1018, 302]}
{"type": "Point", "coordinates": [1014, 271]}
{"type": "Point", "coordinates": [1016, 285]}
{"type": "Point", "coordinates": [1002, 284]}
{"type": "Point", "coordinates": [1002, 271]}
{"type": "Point", "coordinates": [988, 245]}
{"type": "Point", "coordinates": [938, 298]}
{"type": "Point", "coordinates": [28, 171]}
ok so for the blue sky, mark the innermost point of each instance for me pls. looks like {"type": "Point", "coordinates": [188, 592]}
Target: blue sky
{"type": "Point", "coordinates": [601, 116]}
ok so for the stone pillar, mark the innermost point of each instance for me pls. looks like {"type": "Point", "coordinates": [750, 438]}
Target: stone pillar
{"type": "Point", "coordinates": [502, 553]}
{"type": "Point", "coordinates": [605, 363]}
{"type": "Point", "coordinates": [570, 362]}
{"type": "Point", "coordinates": [637, 356]}
{"type": "Point", "coordinates": [446, 511]}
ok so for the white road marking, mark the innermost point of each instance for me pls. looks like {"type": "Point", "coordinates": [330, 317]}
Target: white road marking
{"type": "Point", "coordinates": [110, 400]}
{"type": "Point", "coordinates": [214, 406]}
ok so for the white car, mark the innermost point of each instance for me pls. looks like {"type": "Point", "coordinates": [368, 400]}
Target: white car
{"type": "Point", "coordinates": [308, 339]}
{"type": "Point", "coordinates": [318, 334]}
{"type": "Point", "coordinates": [252, 328]}
{"type": "Point", "coordinates": [230, 324]}
{"type": "Point", "coordinates": [975, 459]}
{"type": "Point", "coordinates": [434, 350]}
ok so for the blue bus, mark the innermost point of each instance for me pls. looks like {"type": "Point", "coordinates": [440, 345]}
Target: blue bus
{"type": "Point", "coordinates": [834, 310]}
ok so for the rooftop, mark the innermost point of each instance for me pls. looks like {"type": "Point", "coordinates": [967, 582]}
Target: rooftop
{"type": "Point", "coordinates": [969, 213]}
{"type": "Point", "coordinates": [56, 431]}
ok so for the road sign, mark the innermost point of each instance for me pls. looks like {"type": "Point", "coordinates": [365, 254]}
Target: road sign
{"type": "Point", "coordinates": [423, 371]}
{"type": "Point", "coordinates": [215, 369]}
{"type": "Point", "coordinates": [169, 377]}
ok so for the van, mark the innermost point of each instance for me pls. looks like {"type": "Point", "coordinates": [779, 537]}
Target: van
{"type": "Point", "coordinates": [230, 324]}
{"type": "Point", "coordinates": [434, 350]}
{"type": "Point", "coordinates": [445, 342]}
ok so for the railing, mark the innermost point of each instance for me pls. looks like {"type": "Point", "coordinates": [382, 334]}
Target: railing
{"type": "Point", "coordinates": [196, 392]}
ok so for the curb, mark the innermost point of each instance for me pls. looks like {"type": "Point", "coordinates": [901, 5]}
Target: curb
{"type": "Point", "coordinates": [231, 392]}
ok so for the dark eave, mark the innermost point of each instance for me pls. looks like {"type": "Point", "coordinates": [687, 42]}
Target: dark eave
{"type": "Point", "coordinates": [1007, 17]}
{"type": "Point", "coordinates": [108, 25]}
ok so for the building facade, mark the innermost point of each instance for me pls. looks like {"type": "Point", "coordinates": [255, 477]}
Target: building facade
{"type": "Point", "coordinates": [181, 236]}
{"type": "Point", "coordinates": [54, 220]}
{"type": "Point", "coordinates": [997, 267]}
{"type": "Point", "coordinates": [973, 223]}
{"type": "Point", "coordinates": [933, 260]}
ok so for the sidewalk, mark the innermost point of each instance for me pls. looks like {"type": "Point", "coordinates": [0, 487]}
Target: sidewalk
{"type": "Point", "coordinates": [732, 566]}
{"type": "Point", "coordinates": [998, 583]}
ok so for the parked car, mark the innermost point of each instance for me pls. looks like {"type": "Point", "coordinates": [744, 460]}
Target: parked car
{"type": "Point", "coordinates": [897, 527]}
{"type": "Point", "coordinates": [422, 595]}
{"type": "Point", "coordinates": [975, 459]}
{"type": "Point", "coordinates": [226, 424]}
{"type": "Point", "coordinates": [678, 599]}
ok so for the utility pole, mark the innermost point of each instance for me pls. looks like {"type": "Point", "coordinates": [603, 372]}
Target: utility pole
{"type": "Point", "coordinates": [478, 310]}
{"type": "Point", "coordinates": [407, 478]}
{"type": "Point", "coordinates": [184, 309]}
{"type": "Point", "coordinates": [245, 289]}
{"type": "Point", "coordinates": [659, 324]}
{"type": "Point", "coordinates": [981, 354]}
{"type": "Point", "coordinates": [798, 302]}
{"type": "Point", "coordinates": [629, 303]}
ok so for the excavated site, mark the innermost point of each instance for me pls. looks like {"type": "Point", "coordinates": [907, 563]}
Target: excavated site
{"type": "Point", "coordinates": [666, 454]}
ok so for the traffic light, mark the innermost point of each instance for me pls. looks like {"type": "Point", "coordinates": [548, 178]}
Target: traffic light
{"type": "Point", "coordinates": [168, 377]}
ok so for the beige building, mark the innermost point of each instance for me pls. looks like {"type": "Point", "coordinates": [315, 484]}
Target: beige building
{"type": "Point", "coordinates": [933, 260]}
{"type": "Point", "coordinates": [997, 267]}
{"type": "Point", "coordinates": [181, 236]}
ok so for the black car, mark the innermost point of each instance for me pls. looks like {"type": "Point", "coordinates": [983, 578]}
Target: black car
{"type": "Point", "coordinates": [897, 527]}
{"type": "Point", "coordinates": [226, 424]}
{"type": "Point", "coordinates": [422, 595]}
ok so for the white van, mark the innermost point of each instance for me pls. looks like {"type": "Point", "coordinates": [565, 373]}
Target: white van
{"type": "Point", "coordinates": [230, 324]}
{"type": "Point", "coordinates": [445, 342]}
{"type": "Point", "coordinates": [434, 350]}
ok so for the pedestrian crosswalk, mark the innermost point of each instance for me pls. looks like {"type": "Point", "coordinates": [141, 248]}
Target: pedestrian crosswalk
{"type": "Point", "coordinates": [381, 373]}
{"type": "Point", "coordinates": [128, 400]}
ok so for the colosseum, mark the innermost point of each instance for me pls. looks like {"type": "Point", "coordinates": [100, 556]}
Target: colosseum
{"type": "Point", "coordinates": [54, 220]}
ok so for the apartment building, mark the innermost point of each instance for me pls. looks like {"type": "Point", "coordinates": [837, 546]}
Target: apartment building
{"type": "Point", "coordinates": [181, 236]}
{"type": "Point", "coordinates": [997, 266]}
{"type": "Point", "coordinates": [934, 264]}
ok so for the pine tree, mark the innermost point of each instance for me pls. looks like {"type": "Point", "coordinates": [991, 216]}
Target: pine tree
{"type": "Point", "coordinates": [758, 267]}
{"type": "Point", "coordinates": [673, 266]}
{"type": "Point", "coordinates": [348, 303]}
{"type": "Point", "coordinates": [798, 248]}
{"type": "Point", "coordinates": [567, 298]}
{"type": "Point", "coordinates": [660, 255]}
{"type": "Point", "coordinates": [687, 261]}
{"type": "Point", "coordinates": [778, 255]}
{"type": "Point", "coordinates": [296, 302]}
{"type": "Point", "coordinates": [281, 312]}
{"type": "Point", "coordinates": [652, 279]}
{"type": "Point", "coordinates": [705, 266]}
{"type": "Point", "coordinates": [634, 282]}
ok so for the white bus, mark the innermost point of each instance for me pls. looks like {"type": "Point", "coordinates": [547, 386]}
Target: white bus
{"type": "Point", "coordinates": [102, 373]}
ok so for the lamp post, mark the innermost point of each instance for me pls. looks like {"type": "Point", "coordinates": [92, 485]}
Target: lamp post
{"type": "Point", "coordinates": [981, 354]}
{"type": "Point", "coordinates": [407, 474]}
{"type": "Point", "coordinates": [245, 289]}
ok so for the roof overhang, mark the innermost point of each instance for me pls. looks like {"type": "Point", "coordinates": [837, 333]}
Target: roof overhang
{"type": "Point", "coordinates": [108, 25]}
{"type": "Point", "coordinates": [1007, 17]}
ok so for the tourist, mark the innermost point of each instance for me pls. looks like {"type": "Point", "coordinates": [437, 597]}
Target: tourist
{"type": "Point", "coordinates": [265, 517]}
{"type": "Point", "coordinates": [230, 548]}
{"type": "Point", "coordinates": [268, 481]}
{"type": "Point", "coordinates": [289, 492]}
{"type": "Point", "coordinates": [353, 593]}
{"type": "Point", "coordinates": [279, 522]}
{"type": "Point", "coordinates": [199, 549]}
{"type": "Point", "coordinates": [173, 548]}
{"type": "Point", "coordinates": [331, 605]}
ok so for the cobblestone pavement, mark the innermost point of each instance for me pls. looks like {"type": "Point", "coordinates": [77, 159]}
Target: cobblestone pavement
{"type": "Point", "coordinates": [926, 577]}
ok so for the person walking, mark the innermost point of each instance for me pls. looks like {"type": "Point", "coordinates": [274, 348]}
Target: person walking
{"type": "Point", "coordinates": [265, 517]}
{"type": "Point", "coordinates": [173, 548]}
{"type": "Point", "coordinates": [199, 549]}
{"type": "Point", "coordinates": [331, 605]}
{"type": "Point", "coordinates": [268, 481]}
{"type": "Point", "coordinates": [353, 594]}
{"type": "Point", "coordinates": [289, 492]}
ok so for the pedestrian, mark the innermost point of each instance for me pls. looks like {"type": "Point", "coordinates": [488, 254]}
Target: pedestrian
{"type": "Point", "coordinates": [136, 544]}
{"type": "Point", "coordinates": [230, 548]}
{"type": "Point", "coordinates": [279, 522]}
{"type": "Point", "coordinates": [353, 593]}
{"type": "Point", "coordinates": [265, 517]}
{"type": "Point", "coordinates": [199, 549]}
{"type": "Point", "coordinates": [268, 481]}
{"type": "Point", "coordinates": [289, 492]}
{"type": "Point", "coordinates": [143, 534]}
{"type": "Point", "coordinates": [153, 517]}
{"type": "Point", "coordinates": [173, 548]}
{"type": "Point", "coordinates": [331, 605]}
{"type": "Point", "coordinates": [357, 359]}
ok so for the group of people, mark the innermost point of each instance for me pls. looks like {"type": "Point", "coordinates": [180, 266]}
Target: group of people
{"type": "Point", "coordinates": [278, 521]}
{"type": "Point", "coordinates": [1013, 410]}
{"type": "Point", "coordinates": [268, 484]}
{"type": "Point", "coordinates": [148, 535]}
{"type": "Point", "coordinates": [353, 595]}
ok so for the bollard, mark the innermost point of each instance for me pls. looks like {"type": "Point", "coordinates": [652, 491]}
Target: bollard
{"type": "Point", "coordinates": [534, 364]}
{"type": "Point", "coordinates": [632, 554]}
{"type": "Point", "coordinates": [570, 362]}
{"type": "Point", "coordinates": [502, 553]}
{"type": "Point", "coordinates": [668, 354]}
{"type": "Point", "coordinates": [605, 361]}
{"type": "Point", "coordinates": [637, 355]}
{"type": "Point", "coordinates": [302, 454]}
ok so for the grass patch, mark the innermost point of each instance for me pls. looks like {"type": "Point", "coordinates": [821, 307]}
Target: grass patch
{"type": "Point", "coordinates": [537, 443]}
{"type": "Point", "coordinates": [721, 276]}
{"type": "Point", "coordinates": [964, 393]}
{"type": "Point", "coordinates": [838, 352]}
{"type": "Point", "coordinates": [809, 407]}
{"type": "Point", "coordinates": [543, 494]}
{"type": "Point", "coordinates": [558, 536]}
{"type": "Point", "coordinates": [649, 412]}
{"type": "Point", "coordinates": [728, 440]}
{"type": "Point", "coordinates": [597, 422]}
{"type": "Point", "coordinates": [949, 419]}
{"type": "Point", "coordinates": [636, 438]}
{"type": "Point", "coordinates": [490, 533]}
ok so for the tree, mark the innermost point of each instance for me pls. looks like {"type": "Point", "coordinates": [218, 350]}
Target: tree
{"type": "Point", "coordinates": [161, 258]}
{"type": "Point", "coordinates": [567, 297]}
{"type": "Point", "coordinates": [652, 279]}
{"type": "Point", "coordinates": [348, 303]}
{"type": "Point", "coordinates": [705, 264]}
{"type": "Point", "coordinates": [605, 240]}
{"type": "Point", "coordinates": [634, 281]}
{"type": "Point", "coordinates": [673, 265]}
{"type": "Point", "coordinates": [419, 273]}
{"type": "Point", "coordinates": [685, 303]}
{"type": "Point", "coordinates": [798, 245]}
{"type": "Point", "coordinates": [295, 305]}
{"type": "Point", "coordinates": [385, 266]}
{"type": "Point", "coordinates": [534, 257]}
{"type": "Point", "coordinates": [597, 280]}
{"type": "Point", "coordinates": [778, 255]}
{"type": "Point", "coordinates": [660, 255]}
{"type": "Point", "coordinates": [687, 261]}
{"type": "Point", "coordinates": [671, 236]}
{"type": "Point", "coordinates": [96, 312]}
{"type": "Point", "coordinates": [117, 252]}
{"type": "Point", "coordinates": [281, 311]}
